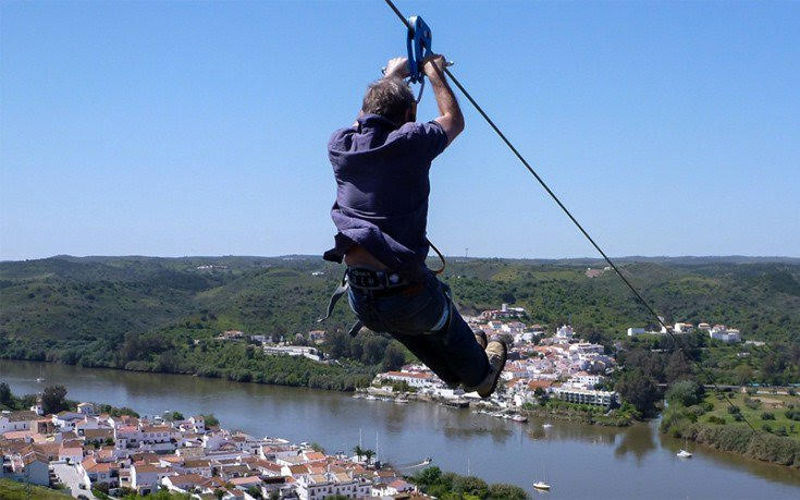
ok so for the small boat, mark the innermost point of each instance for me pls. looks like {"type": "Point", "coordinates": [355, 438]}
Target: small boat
{"type": "Point", "coordinates": [547, 426]}
{"type": "Point", "coordinates": [401, 401]}
{"type": "Point", "coordinates": [541, 485]}
{"type": "Point", "coordinates": [39, 379]}
{"type": "Point", "coordinates": [684, 454]}
{"type": "Point", "coordinates": [519, 418]}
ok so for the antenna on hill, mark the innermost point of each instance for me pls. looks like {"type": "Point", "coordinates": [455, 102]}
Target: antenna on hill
{"type": "Point", "coordinates": [466, 253]}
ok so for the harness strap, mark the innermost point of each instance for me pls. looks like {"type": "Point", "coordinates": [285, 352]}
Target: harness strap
{"type": "Point", "coordinates": [441, 257]}
{"type": "Point", "coordinates": [337, 294]}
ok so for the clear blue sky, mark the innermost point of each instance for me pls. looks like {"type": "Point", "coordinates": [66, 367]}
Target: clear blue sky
{"type": "Point", "coordinates": [199, 128]}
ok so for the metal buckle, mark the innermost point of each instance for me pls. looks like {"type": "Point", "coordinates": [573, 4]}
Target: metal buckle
{"type": "Point", "coordinates": [364, 279]}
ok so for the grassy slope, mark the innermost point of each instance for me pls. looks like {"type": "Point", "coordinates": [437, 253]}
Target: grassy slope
{"type": "Point", "coordinates": [13, 490]}
{"type": "Point", "coordinates": [776, 404]}
{"type": "Point", "coordinates": [87, 310]}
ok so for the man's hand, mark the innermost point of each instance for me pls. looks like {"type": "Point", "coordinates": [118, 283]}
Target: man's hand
{"type": "Point", "coordinates": [433, 66]}
{"type": "Point", "coordinates": [396, 68]}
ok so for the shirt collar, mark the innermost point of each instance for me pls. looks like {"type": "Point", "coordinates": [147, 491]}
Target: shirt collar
{"type": "Point", "coordinates": [375, 121]}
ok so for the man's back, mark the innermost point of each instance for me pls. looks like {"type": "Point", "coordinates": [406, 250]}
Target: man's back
{"type": "Point", "coordinates": [383, 186]}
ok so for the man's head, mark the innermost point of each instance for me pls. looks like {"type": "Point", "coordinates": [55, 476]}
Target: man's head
{"type": "Point", "coordinates": [390, 98]}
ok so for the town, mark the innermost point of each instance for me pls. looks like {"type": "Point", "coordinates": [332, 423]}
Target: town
{"type": "Point", "coordinates": [560, 366]}
{"type": "Point", "coordinates": [86, 450]}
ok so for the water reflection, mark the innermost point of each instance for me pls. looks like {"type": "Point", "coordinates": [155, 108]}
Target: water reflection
{"type": "Point", "coordinates": [638, 441]}
{"type": "Point", "coordinates": [637, 461]}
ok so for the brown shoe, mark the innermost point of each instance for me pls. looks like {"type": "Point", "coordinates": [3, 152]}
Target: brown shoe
{"type": "Point", "coordinates": [480, 338]}
{"type": "Point", "coordinates": [497, 352]}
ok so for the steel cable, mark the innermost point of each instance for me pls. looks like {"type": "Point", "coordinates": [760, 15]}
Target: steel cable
{"type": "Point", "coordinates": [555, 198]}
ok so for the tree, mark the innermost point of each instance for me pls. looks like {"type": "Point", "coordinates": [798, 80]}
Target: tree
{"type": "Point", "coordinates": [501, 491]}
{"type": "Point", "coordinates": [368, 454]}
{"type": "Point", "coordinates": [54, 399]}
{"type": "Point", "coordinates": [678, 367]}
{"type": "Point", "coordinates": [685, 392]}
{"type": "Point", "coordinates": [6, 399]}
{"type": "Point", "coordinates": [471, 485]}
{"type": "Point", "coordinates": [393, 358]}
{"type": "Point", "coordinates": [639, 390]}
{"type": "Point", "coordinates": [359, 451]}
{"type": "Point", "coordinates": [211, 420]}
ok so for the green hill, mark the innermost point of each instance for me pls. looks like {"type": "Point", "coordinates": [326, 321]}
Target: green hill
{"type": "Point", "coordinates": [163, 314]}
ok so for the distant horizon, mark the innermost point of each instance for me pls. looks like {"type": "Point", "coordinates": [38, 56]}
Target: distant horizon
{"type": "Point", "coordinates": [453, 257]}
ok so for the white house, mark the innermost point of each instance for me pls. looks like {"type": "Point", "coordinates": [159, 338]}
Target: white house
{"type": "Point", "coordinates": [632, 332]}
{"type": "Point", "coordinates": [31, 467]}
{"type": "Point", "coordinates": [87, 409]}
{"type": "Point", "coordinates": [145, 478]}
{"type": "Point", "coordinates": [720, 332]}
{"type": "Point", "coordinates": [565, 332]}
{"type": "Point", "coordinates": [17, 420]}
{"type": "Point", "coordinates": [586, 396]}
{"type": "Point", "coordinates": [73, 454]}
{"type": "Point", "coordinates": [413, 379]}
{"type": "Point", "coordinates": [319, 486]}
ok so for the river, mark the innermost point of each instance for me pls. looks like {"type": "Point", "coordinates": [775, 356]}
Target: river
{"type": "Point", "coordinates": [579, 461]}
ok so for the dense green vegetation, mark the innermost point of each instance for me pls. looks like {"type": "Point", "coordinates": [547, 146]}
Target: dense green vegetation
{"type": "Point", "coordinates": [721, 421]}
{"type": "Point", "coordinates": [155, 314]}
{"type": "Point", "coordinates": [451, 486]}
{"type": "Point", "coordinates": [13, 490]}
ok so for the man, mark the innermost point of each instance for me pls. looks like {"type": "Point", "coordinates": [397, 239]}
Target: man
{"type": "Point", "coordinates": [381, 167]}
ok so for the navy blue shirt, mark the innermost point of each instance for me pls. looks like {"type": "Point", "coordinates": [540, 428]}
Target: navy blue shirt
{"type": "Point", "coordinates": [382, 190]}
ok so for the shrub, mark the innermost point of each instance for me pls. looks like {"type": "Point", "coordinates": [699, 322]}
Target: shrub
{"type": "Point", "coordinates": [752, 403]}
{"type": "Point", "coordinates": [766, 427]}
{"type": "Point", "coordinates": [734, 410]}
{"type": "Point", "coordinates": [767, 416]}
{"type": "Point", "coordinates": [713, 419]}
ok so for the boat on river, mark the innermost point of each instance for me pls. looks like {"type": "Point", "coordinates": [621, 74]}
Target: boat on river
{"type": "Point", "coordinates": [541, 485]}
{"type": "Point", "coordinates": [684, 454]}
{"type": "Point", "coordinates": [519, 418]}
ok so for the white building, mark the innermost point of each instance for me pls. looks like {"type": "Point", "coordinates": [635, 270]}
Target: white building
{"type": "Point", "coordinates": [145, 478]}
{"type": "Point", "coordinates": [586, 396]}
{"type": "Point", "coordinates": [413, 379]}
{"type": "Point", "coordinates": [87, 409]}
{"type": "Point", "coordinates": [31, 467]}
{"type": "Point", "coordinates": [720, 332]}
{"type": "Point", "coordinates": [319, 486]}
{"type": "Point", "coordinates": [632, 332]}
{"type": "Point", "coordinates": [16, 420]}
{"type": "Point", "coordinates": [564, 332]}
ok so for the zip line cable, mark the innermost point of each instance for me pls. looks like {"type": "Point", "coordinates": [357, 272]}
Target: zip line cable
{"type": "Point", "coordinates": [555, 198]}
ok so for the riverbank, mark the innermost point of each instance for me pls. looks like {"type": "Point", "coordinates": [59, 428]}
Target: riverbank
{"type": "Point", "coordinates": [237, 362]}
{"type": "Point", "coordinates": [759, 427]}
{"type": "Point", "coordinates": [550, 410]}
{"type": "Point", "coordinates": [498, 450]}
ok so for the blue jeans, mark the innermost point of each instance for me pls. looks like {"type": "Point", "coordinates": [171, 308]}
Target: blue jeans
{"type": "Point", "coordinates": [429, 326]}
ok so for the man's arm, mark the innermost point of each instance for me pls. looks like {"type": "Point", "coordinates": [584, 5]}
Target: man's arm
{"type": "Point", "coordinates": [450, 117]}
